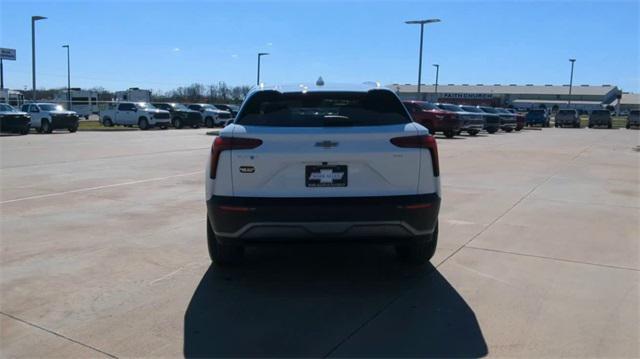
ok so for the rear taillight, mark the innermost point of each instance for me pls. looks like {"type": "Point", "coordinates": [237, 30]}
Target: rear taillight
{"type": "Point", "coordinates": [221, 144]}
{"type": "Point", "coordinates": [421, 141]}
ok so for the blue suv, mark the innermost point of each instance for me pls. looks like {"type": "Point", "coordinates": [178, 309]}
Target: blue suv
{"type": "Point", "coordinates": [537, 118]}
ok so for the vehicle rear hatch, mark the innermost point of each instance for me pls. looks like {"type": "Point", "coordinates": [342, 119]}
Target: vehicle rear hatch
{"type": "Point", "coordinates": [324, 144]}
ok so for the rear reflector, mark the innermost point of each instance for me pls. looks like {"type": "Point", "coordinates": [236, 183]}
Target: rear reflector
{"type": "Point", "coordinates": [421, 141]}
{"type": "Point", "coordinates": [221, 144]}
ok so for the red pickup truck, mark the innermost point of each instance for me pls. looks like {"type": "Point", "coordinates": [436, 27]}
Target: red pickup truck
{"type": "Point", "coordinates": [434, 118]}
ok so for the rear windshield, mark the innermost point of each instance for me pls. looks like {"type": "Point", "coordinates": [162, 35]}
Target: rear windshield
{"type": "Point", "coordinates": [600, 112]}
{"type": "Point", "coordinates": [452, 108]}
{"type": "Point", "coordinates": [320, 109]}
{"type": "Point", "coordinates": [489, 109]}
{"type": "Point", "coordinates": [471, 109]}
{"type": "Point", "coordinates": [428, 106]}
{"type": "Point", "coordinates": [536, 113]}
{"type": "Point", "coordinates": [567, 112]}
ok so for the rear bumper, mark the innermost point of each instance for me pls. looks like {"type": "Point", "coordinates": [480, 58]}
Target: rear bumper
{"type": "Point", "coordinates": [379, 219]}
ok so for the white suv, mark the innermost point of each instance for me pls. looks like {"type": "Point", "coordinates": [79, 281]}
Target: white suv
{"type": "Point", "coordinates": [323, 163]}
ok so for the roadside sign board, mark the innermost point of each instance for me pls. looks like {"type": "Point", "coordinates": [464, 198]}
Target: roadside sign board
{"type": "Point", "coordinates": [7, 54]}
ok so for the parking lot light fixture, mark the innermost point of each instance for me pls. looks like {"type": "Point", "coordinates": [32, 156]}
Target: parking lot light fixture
{"type": "Point", "coordinates": [573, 61]}
{"type": "Point", "coordinates": [33, 54]}
{"type": "Point", "coordinates": [260, 54]}
{"type": "Point", "coordinates": [68, 78]}
{"type": "Point", "coordinates": [437, 73]}
{"type": "Point", "coordinates": [421, 23]}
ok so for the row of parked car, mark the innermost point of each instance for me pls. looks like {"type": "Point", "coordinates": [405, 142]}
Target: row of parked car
{"type": "Point", "coordinates": [452, 119]}
{"type": "Point", "coordinates": [45, 117]}
{"type": "Point", "coordinates": [449, 119]}
{"type": "Point", "coordinates": [164, 114]}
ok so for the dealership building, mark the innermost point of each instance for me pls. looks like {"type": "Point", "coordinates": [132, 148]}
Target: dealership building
{"type": "Point", "coordinates": [586, 97]}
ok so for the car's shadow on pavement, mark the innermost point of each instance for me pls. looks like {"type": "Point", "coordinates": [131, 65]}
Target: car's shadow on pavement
{"type": "Point", "coordinates": [328, 300]}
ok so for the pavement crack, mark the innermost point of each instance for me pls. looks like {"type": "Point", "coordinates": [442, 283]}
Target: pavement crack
{"type": "Point", "coordinates": [555, 259]}
{"type": "Point", "coordinates": [58, 335]}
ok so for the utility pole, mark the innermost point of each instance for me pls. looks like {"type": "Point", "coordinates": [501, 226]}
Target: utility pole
{"type": "Point", "coordinates": [260, 54]}
{"type": "Point", "coordinates": [437, 72]}
{"type": "Point", "coordinates": [33, 54]}
{"type": "Point", "coordinates": [68, 79]}
{"type": "Point", "coordinates": [421, 23]}
{"type": "Point", "coordinates": [573, 61]}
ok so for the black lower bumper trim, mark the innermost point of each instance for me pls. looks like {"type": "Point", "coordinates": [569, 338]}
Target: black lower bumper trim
{"type": "Point", "coordinates": [236, 216]}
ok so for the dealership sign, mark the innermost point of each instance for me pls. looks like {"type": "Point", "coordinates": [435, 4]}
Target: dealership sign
{"type": "Point", "coordinates": [467, 95]}
{"type": "Point", "coordinates": [7, 54]}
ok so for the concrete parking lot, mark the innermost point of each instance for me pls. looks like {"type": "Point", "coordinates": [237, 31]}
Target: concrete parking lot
{"type": "Point", "coordinates": [103, 253]}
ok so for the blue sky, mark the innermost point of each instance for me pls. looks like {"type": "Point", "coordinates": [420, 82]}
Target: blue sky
{"type": "Point", "coordinates": [162, 45]}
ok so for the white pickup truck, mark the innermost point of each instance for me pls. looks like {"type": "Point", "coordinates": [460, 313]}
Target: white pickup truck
{"type": "Point", "coordinates": [46, 117]}
{"type": "Point", "coordinates": [141, 114]}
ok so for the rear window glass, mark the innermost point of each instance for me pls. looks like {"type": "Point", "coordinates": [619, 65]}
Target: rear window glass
{"type": "Point", "coordinates": [320, 109]}
{"type": "Point", "coordinates": [600, 112]}
{"type": "Point", "coordinates": [428, 106]}
{"type": "Point", "coordinates": [566, 112]}
{"type": "Point", "coordinates": [453, 108]}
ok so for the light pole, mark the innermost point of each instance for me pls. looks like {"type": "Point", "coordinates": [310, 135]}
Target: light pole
{"type": "Point", "coordinates": [437, 73]}
{"type": "Point", "coordinates": [33, 53]}
{"type": "Point", "coordinates": [573, 61]}
{"type": "Point", "coordinates": [421, 23]}
{"type": "Point", "coordinates": [68, 79]}
{"type": "Point", "coordinates": [260, 54]}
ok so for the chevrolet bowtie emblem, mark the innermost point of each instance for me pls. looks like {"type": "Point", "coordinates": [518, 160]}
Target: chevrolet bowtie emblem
{"type": "Point", "coordinates": [326, 144]}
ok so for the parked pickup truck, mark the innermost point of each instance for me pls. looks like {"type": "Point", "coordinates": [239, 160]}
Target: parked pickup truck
{"type": "Point", "coordinates": [46, 117]}
{"type": "Point", "coordinates": [212, 116]}
{"type": "Point", "coordinates": [470, 122]}
{"type": "Point", "coordinates": [12, 120]}
{"type": "Point", "coordinates": [491, 120]}
{"type": "Point", "coordinates": [141, 114]}
{"type": "Point", "coordinates": [181, 115]}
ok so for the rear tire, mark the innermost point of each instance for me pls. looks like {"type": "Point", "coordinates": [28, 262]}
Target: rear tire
{"type": "Point", "coordinates": [492, 131]}
{"type": "Point", "coordinates": [45, 127]}
{"type": "Point", "coordinates": [222, 254]}
{"type": "Point", "coordinates": [420, 250]}
{"type": "Point", "coordinates": [473, 133]}
{"type": "Point", "coordinates": [177, 123]}
{"type": "Point", "coordinates": [590, 126]}
{"type": "Point", "coordinates": [73, 129]}
{"type": "Point", "coordinates": [610, 125]}
{"type": "Point", "coordinates": [107, 122]}
{"type": "Point", "coordinates": [449, 134]}
{"type": "Point", "coordinates": [25, 131]}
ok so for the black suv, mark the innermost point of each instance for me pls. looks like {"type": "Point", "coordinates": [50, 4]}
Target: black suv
{"type": "Point", "coordinates": [633, 119]}
{"type": "Point", "coordinates": [568, 117]}
{"type": "Point", "coordinates": [181, 115]}
{"type": "Point", "coordinates": [600, 118]}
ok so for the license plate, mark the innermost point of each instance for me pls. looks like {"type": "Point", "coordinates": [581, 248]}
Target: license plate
{"type": "Point", "coordinates": [326, 176]}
